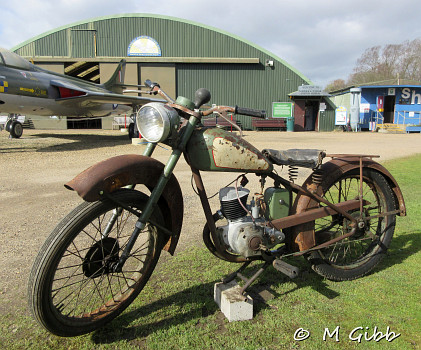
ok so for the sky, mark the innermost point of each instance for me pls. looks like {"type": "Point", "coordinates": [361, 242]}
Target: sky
{"type": "Point", "coordinates": [322, 39]}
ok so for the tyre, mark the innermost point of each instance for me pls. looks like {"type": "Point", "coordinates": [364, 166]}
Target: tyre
{"type": "Point", "coordinates": [72, 287]}
{"type": "Point", "coordinates": [133, 132]}
{"type": "Point", "coordinates": [357, 255]}
{"type": "Point", "coordinates": [8, 125]}
{"type": "Point", "coordinates": [16, 129]}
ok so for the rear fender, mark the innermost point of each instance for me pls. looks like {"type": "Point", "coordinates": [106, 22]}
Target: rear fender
{"type": "Point", "coordinates": [302, 236]}
{"type": "Point", "coordinates": [111, 174]}
{"type": "Point", "coordinates": [343, 165]}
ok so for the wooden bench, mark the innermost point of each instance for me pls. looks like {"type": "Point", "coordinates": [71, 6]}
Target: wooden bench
{"type": "Point", "coordinates": [213, 121]}
{"type": "Point", "coordinates": [272, 123]}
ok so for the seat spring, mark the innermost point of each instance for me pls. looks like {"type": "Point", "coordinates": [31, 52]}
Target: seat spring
{"type": "Point", "coordinates": [317, 176]}
{"type": "Point", "coordinates": [292, 173]}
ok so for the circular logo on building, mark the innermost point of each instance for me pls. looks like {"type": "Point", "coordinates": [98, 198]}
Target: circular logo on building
{"type": "Point", "coordinates": [144, 46]}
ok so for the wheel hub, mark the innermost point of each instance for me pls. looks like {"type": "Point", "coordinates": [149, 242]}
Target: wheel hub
{"type": "Point", "coordinates": [361, 224]}
{"type": "Point", "coordinates": [100, 257]}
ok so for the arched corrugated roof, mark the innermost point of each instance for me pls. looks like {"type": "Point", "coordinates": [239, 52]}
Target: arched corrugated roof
{"type": "Point", "coordinates": [175, 19]}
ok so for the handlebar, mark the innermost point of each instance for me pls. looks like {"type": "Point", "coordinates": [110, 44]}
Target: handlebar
{"type": "Point", "coordinates": [257, 113]}
{"type": "Point", "coordinates": [250, 112]}
{"type": "Point", "coordinates": [150, 84]}
{"type": "Point", "coordinates": [157, 89]}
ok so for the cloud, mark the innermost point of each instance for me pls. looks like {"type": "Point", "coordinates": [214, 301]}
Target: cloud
{"type": "Point", "coordinates": [322, 39]}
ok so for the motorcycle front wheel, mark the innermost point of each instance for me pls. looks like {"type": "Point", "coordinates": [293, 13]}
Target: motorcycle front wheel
{"type": "Point", "coordinates": [73, 288]}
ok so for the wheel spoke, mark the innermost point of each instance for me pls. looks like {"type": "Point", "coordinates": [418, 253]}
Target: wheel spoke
{"type": "Point", "coordinates": [83, 286]}
{"type": "Point", "coordinates": [359, 246]}
{"type": "Point", "coordinates": [331, 254]}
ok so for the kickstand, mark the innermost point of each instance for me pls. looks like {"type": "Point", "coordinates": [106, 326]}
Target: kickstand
{"type": "Point", "coordinates": [248, 281]}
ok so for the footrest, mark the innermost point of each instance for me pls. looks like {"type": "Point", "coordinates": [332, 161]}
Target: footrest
{"type": "Point", "coordinates": [306, 158]}
{"type": "Point", "coordinates": [287, 269]}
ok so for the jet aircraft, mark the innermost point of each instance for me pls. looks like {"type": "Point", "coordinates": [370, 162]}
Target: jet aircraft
{"type": "Point", "coordinates": [28, 89]}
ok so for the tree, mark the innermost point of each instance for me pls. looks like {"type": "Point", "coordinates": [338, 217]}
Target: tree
{"type": "Point", "coordinates": [393, 61]}
{"type": "Point", "coordinates": [337, 84]}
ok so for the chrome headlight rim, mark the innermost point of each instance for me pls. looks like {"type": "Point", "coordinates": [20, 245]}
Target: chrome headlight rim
{"type": "Point", "coordinates": [156, 121]}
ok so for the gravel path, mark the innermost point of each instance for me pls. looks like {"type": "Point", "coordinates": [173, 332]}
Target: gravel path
{"type": "Point", "coordinates": [35, 167]}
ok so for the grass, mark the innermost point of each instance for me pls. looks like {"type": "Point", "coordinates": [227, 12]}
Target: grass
{"type": "Point", "coordinates": [176, 310]}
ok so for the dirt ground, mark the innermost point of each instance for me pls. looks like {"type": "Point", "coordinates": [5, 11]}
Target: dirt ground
{"type": "Point", "coordinates": [35, 167]}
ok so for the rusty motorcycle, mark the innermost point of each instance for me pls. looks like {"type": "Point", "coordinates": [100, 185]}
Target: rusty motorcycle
{"type": "Point", "coordinates": [101, 255]}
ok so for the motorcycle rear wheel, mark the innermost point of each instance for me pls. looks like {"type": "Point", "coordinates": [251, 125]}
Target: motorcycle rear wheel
{"type": "Point", "coordinates": [357, 255]}
{"type": "Point", "coordinates": [72, 287]}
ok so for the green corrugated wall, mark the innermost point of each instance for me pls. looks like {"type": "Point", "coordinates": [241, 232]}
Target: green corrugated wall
{"type": "Point", "coordinates": [176, 37]}
{"type": "Point", "coordinates": [251, 85]}
{"type": "Point", "coordinates": [248, 85]}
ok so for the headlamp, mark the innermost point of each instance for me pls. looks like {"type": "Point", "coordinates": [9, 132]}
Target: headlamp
{"type": "Point", "coordinates": [155, 121]}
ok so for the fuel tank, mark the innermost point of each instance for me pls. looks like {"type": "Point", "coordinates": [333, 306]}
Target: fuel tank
{"type": "Point", "coordinates": [214, 149]}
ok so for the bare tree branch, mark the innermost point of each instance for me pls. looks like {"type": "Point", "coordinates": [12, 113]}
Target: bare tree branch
{"type": "Point", "coordinates": [393, 61]}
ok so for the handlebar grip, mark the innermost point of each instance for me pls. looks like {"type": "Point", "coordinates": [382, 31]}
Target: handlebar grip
{"type": "Point", "coordinates": [150, 84]}
{"type": "Point", "coordinates": [258, 113]}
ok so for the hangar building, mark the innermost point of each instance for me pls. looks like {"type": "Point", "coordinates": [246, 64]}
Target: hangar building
{"type": "Point", "coordinates": [182, 56]}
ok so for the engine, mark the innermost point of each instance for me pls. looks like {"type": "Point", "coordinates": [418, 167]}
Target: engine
{"type": "Point", "coordinates": [246, 233]}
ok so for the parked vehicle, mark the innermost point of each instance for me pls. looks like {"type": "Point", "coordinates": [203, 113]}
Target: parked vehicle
{"type": "Point", "coordinates": [101, 255]}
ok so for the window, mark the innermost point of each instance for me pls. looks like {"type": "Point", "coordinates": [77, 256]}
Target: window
{"type": "Point", "coordinates": [11, 59]}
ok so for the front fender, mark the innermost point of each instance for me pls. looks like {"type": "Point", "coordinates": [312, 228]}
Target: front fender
{"type": "Point", "coordinates": [113, 173]}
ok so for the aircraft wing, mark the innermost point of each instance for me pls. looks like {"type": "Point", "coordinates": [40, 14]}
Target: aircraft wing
{"type": "Point", "coordinates": [93, 95]}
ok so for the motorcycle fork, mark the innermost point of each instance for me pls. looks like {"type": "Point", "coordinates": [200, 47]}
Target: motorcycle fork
{"type": "Point", "coordinates": [150, 147]}
{"type": "Point", "coordinates": [158, 189]}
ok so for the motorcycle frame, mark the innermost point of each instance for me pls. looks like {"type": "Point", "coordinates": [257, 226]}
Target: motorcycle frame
{"type": "Point", "coordinates": [294, 219]}
{"type": "Point", "coordinates": [289, 221]}
{"type": "Point", "coordinates": [279, 224]}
